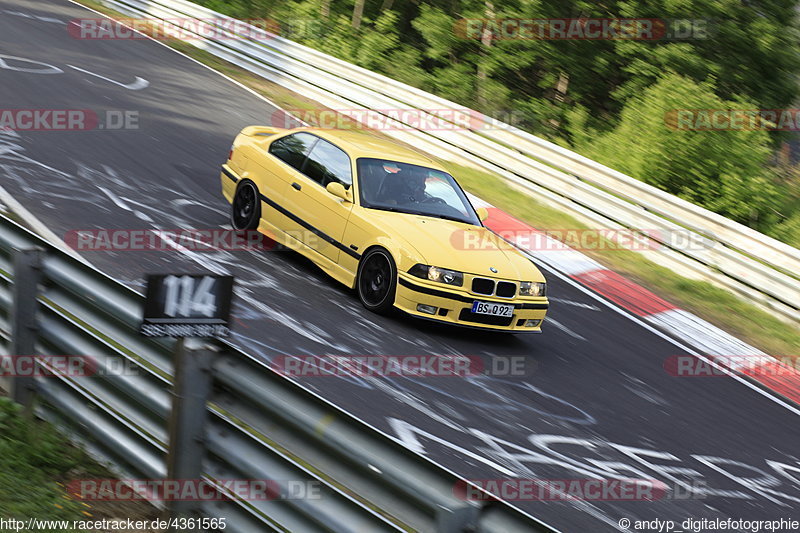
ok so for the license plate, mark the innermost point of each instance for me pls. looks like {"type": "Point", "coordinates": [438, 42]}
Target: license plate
{"type": "Point", "coordinates": [489, 308]}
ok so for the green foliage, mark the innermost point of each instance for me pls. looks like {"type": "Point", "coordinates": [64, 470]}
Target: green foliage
{"type": "Point", "coordinates": [725, 171]}
{"type": "Point", "coordinates": [436, 27]}
{"type": "Point", "coordinates": [32, 457]}
{"type": "Point", "coordinates": [606, 97]}
{"type": "Point", "coordinates": [789, 230]}
{"type": "Point", "coordinates": [717, 305]}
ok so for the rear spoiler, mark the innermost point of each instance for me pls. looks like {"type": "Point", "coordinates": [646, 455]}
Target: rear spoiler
{"type": "Point", "coordinates": [265, 131]}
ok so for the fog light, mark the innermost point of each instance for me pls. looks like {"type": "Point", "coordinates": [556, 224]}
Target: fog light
{"type": "Point", "coordinates": [422, 308]}
{"type": "Point", "coordinates": [532, 323]}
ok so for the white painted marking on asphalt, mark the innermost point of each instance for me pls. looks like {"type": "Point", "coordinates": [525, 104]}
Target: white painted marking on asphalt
{"type": "Point", "coordinates": [627, 315]}
{"type": "Point", "coordinates": [553, 268]}
{"type": "Point", "coordinates": [33, 17]}
{"type": "Point", "coordinates": [415, 403]}
{"type": "Point", "coordinates": [565, 329]}
{"type": "Point", "coordinates": [49, 69]}
{"type": "Point", "coordinates": [137, 85]}
{"type": "Point", "coordinates": [13, 152]}
{"type": "Point", "coordinates": [114, 198]}
{"type": "Point", "coordinates": [707, 336]}
{"type": "Point", "coordinates": [122, 205]}
{"type": "Point", "coordinates": [570, 261]}
{"type": "Point", "coordinates": [575, 304]}
{"type": "Point", "coordinates": [279, 317]}
{"type": "Point", "coordinates": [672, 340]}
{"type": "Point", "coordinates": [193, 60]}
{"type": "Point", "coordinates": [36, 225]}
{"type": "Point", "coordinates": [407, 434]}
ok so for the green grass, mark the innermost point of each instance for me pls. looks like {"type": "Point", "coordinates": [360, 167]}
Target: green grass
{"type": "Point", "coordinates": [37, 464]}
{"type": "Point", "coordinates": [34, 459]}
{"type": "Point", "coordinates": [712, 303]}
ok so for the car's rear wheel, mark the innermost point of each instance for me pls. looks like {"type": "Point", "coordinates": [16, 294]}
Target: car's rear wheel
{"type": "Point", "coordinates": [246, 207]}
{"type": "Point", "coordinates": [377, 281]}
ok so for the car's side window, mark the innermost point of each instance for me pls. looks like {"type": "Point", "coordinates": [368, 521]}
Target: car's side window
{"type": "Point", "coordinates": [293, 149]}
{"type": "Point", "coordinates": [328, 163]}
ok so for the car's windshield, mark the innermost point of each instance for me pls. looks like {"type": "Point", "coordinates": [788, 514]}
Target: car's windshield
{"type": "Point", "coordinates": [407, 188]}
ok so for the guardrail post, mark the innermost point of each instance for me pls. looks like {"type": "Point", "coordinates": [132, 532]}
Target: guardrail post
{"type": "Point", "coordinates": [27, 275]}
{"type": "Point", "coordinates": [190, 393]}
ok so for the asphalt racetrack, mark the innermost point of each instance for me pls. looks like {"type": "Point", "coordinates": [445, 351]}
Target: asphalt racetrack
{"type": "Point", "coordinates": [595, 397]}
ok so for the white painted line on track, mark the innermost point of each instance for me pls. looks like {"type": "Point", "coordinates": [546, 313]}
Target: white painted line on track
{"type": "Point", "coordinates": [565, 329]}
{"type": "Point", "coordinates": [190, 58]}
{"type": "Point", "coordinates": [137, 85]}
{"type": "Point", "coordinates": [37, 226]}
{"type": "Point", "coordinates": [567, 279]}
{"type": "Point", "coordinates": [668, 338]}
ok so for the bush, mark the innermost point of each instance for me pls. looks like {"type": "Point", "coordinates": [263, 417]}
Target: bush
{"type": "Point", "coordinates": [33, 457]}
{"type": "Point", "coordinates": [724, 171]}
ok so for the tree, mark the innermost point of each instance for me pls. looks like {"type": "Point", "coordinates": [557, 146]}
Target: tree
{"type": "Point", "coordinates": [725, 171]}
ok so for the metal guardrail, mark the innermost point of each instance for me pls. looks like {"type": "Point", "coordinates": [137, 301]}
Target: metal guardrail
{"type": "Point", "coordinates": [260, 425]}
{"type": "Point", "coordinates": [747, 262]}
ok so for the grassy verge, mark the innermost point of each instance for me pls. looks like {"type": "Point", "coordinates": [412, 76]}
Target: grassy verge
{"type": "Point", "coordinates": [36, 466]}
{"type": "Point", "coordinates": [714, 304]}
{"type": "Point", "coordinates": [34, 463]}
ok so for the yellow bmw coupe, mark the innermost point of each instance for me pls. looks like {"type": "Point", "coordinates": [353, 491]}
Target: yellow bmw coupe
{"type": "Point", "coordinates": [384, 220]}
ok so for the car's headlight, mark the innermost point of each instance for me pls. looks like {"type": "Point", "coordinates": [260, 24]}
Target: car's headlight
{"type": "Point", "coordinates": [532, 288]}
{"type": "Point", "coordinates": [439, 275]}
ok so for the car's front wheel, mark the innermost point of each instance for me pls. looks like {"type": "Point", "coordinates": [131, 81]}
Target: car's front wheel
{"type": "Point", "coordinates": [246, 207]}
{"type": "Point", "coordinates": [377, 281]}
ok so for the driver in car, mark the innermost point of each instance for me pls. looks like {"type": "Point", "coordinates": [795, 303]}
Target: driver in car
{"type": "Point", "coordinates": [406, 188]}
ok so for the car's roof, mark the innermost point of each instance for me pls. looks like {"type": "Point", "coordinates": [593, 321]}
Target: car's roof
{"type": "Point", "coordinates": [359, 144]}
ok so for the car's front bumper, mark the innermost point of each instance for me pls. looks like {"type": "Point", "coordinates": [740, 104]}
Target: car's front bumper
{"type": "Point", "coordinates": [455, 306]}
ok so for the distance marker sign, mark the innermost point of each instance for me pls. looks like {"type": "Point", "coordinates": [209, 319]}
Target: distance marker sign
{"type": "Point", "coordinates": [187, 305]}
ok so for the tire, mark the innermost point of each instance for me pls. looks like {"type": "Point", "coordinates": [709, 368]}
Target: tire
{"type": "Point", "coordinates": [377, 281]}
{"type": "Point", "coordinates": [246, 207]}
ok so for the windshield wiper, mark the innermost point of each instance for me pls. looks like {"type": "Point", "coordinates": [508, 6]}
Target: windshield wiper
{"type": "Point", "coordinates": [396, 210]}
{"type": "Point", "coordinates": [420, 213]}
{"type": "Point", "coordinates": [446, 217]}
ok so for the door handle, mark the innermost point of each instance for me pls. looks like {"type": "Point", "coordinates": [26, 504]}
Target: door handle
{"type": "Point", "coordinates": [296, 186]}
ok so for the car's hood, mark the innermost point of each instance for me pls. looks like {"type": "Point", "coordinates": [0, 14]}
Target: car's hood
{"type": "Point", "coordinates": [459, 246]}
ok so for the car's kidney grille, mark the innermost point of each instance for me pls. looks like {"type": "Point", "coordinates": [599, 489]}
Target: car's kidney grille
{"type": "Point", "coordinates": [483, 286]}
{"type": "Point", "coordinates": [506, 289]}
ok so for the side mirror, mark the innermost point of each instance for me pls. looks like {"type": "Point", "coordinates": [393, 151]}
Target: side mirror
{"type": "Point", "coordinates": [338, 190]}
{"type": "Point", "coordinates": [483, 213]}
